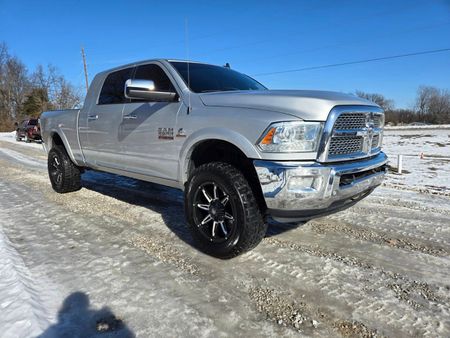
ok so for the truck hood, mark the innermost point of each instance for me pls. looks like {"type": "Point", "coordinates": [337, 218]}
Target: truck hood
{"type": "Point", "coordinates": [311, 105]}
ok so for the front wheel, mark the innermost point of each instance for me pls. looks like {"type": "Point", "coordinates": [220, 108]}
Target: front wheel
{"type": "Point", "coordinates": [18, 139]}
{"type": "Point", "coordinates": [64, 175]}
{"type": "Point", "coordinates": [222, 212]}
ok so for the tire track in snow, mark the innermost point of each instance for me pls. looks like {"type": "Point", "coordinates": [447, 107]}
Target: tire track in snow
{"type": "Point", "coordinates": [23, 159]}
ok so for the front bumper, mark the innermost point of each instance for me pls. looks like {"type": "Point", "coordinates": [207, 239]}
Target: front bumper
{"type": "Point", "coordinates": [296, 191]}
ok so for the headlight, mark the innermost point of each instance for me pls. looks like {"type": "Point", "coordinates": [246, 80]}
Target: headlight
{"type": "Point", "coordinates": [291, 137]}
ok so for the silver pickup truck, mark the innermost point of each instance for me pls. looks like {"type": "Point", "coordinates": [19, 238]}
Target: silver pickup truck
{"type": "Point", "coordinates": [239, 151]}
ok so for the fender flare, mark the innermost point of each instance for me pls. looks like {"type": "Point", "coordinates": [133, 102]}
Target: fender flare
{"type": "Point", "coordinates": [209, 134]}
{"type": "Point", "coordinates": [63, 138]}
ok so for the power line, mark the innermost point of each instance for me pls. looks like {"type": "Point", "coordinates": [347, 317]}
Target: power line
{"type": "Point", "coordinates": [355, 62]}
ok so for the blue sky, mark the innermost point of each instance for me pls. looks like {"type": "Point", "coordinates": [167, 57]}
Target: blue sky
{"type": "Point", "coordinates": [253, 36]}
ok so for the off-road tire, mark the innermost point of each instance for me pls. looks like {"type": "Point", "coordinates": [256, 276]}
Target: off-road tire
{"type": "Point", "coordinates": [18, 138]}
{"type": "Point", "coordinates": [69, 174]}
{"type": "Point", "coordinates": [250, 224]}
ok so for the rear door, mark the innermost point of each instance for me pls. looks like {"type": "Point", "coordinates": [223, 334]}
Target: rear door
{"type": "Point", "coordinates": [103, 145]}
{"type": "Point", "coordinates": [149, 129]}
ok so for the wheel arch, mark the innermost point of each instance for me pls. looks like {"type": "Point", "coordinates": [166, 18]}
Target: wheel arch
{"type": "Point", "coordinates": [220, 149]}
{"type": "Point", "coordinates": [57, 138]}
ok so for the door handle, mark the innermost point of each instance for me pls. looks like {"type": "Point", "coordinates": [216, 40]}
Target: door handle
{"type": "Point", "coordinates": [92, 117]}
{"type": "Point", "coordinates": [130, 117]}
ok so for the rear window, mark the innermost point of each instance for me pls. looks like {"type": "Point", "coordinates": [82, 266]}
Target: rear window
{"type": "Point", "coordinates": [113, 88]}
{"type": "Point", "coordinates": [33, 122]}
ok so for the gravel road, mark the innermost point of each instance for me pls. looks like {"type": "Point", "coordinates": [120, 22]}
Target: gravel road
{"type": "Point", "coordinates": [115, 259]}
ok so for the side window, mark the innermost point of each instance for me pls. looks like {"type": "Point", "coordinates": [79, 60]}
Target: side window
{"type": "Point", "coordinates": [113, 87]}
{"type": "Point", "coordinates": [156, 74]}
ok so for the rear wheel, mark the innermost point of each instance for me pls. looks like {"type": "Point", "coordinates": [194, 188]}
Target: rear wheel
{"type": "Point", "coordinates": [222, 212]}
{"type": "Point", "coordinates": [64, 175]}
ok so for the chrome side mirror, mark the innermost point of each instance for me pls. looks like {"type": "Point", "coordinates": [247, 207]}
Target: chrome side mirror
{"type": "Point", "coordinates": [145, 90]}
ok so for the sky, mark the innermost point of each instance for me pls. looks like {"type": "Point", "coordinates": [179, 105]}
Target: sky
{"type": "Point", "coordinates": [255, 37]}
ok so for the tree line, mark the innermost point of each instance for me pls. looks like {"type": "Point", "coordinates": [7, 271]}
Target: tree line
{"type": "Point", "coordinates": [25, 94]}
{"type": "Point", "coordinates": [432, 106]}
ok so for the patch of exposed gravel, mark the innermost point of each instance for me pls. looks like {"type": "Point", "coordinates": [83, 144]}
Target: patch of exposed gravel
{"type": "Point", "coordinates": [165, 252]}
{"type": "Point", "coordinates": [355, 329]}
{"type": "Point", "coordinates": [282, 310]}
{"type": "Point", "coordinates": [412, 292]}
{"type": "Point", "coordinates": [377, 237]}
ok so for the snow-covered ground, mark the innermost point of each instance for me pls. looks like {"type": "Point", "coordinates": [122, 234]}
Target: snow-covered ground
{"type": "Point", "coordinates": [115, 259]}
{"type": "Point", "coordinates": [426, 159]}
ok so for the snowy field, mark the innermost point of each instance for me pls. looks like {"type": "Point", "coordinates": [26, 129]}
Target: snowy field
{"type": "Point", "coordinates": [115, 258]}
{"type": "Point", "coordinates": [426, 159]}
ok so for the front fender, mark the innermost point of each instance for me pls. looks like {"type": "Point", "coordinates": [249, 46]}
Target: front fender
{"type": "Point", "coordinates": [213, 133]}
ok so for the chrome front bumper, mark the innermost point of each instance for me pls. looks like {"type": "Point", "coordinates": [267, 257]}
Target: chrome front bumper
{"type": "Point", "coordinates": [295, 191]}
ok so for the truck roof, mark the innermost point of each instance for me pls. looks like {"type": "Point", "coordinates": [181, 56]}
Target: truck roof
{"type": "Point", "coordinates": [143, 62]}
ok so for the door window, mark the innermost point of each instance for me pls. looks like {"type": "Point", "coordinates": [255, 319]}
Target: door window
{"type": "Point", "coordinates": [113, 88]}
{"type": "Point", "coordinates": [157, 75]}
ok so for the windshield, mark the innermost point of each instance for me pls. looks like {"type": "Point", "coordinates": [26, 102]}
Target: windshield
{"type": "Point", "coordinates": [33, 122]}
{"type": "Point", "coordinates": [209, 78]}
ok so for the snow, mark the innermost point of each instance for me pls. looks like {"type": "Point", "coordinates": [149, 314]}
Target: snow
{"type": "Point", "coordinates": [426, 159]}
{"type": "Point", "coordinates": [24, 312]}
{"type": "Point", "coordinates": [26, 160]}
{"type": "Point", "coordinates": [431, 126]}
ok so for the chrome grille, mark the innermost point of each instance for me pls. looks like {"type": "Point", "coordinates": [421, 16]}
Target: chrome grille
{"type": "Point", "coordinates": [346, 145]}
{"type": "Point", "coordinates": [353, 134]}
{"type": "Point", "coordinates": [350, 121]}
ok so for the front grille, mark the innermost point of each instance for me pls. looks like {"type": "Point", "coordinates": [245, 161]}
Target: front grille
{"type": "Point", "coordinates": [355, 135]}
{"type": "Point", "coordinates": [345, 145]}
{"type": "Point", "coordinates": [347, 121]}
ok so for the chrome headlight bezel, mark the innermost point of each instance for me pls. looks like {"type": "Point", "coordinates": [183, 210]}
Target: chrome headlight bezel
{"type": "Point", "coordinates": [291, 137]}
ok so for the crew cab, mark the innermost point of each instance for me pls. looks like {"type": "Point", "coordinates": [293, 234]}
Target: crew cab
{"type": "Point", "coordinates": [240, 152]}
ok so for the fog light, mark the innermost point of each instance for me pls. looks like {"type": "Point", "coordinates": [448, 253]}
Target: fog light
{"type": "Point", "coordinates": [304, 183]}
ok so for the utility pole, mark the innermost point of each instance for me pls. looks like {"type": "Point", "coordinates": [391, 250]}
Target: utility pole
{"type": "Point", "coordinates": [85, 68]}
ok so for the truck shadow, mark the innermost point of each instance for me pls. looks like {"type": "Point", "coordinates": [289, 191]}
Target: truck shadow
{"type": "Point", "coordinates": [76, 318]}
{"type": "Point", "coordinates": [168, 202]}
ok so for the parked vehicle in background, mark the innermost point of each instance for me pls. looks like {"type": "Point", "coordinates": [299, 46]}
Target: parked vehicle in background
{"type": "Point", "coordinates": [28, 130]}
{"type": "Point", "coordinates": [239, 151]}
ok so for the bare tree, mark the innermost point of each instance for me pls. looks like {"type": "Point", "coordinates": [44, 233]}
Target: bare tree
{"type": "Point", "coordinates": [61, 94]}
{"type": "Point", "coordinates": [379, 99]}
{"type": "Point", "coordinates": [433, 104]}
{"type": "Point", "coordinates": [14, 84]}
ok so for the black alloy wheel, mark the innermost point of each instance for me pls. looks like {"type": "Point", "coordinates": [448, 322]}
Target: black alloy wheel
{"type": "Point", "coordinates": [222, 212]}
{"type": "Point", "coordinates": [214, 214]}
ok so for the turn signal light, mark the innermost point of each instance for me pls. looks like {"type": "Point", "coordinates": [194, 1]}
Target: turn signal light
{"type": "Point", "coordinates": [269, 137]}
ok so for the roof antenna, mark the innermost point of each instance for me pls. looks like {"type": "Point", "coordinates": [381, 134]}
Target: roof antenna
{"type": "Point", "coordinates": [189, 109]}
{"type": "Point", "coordinates": [227, 65]}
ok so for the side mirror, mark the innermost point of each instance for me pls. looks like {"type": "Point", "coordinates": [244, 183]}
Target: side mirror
{"type": "Point", "coordinates": [145, 90]}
